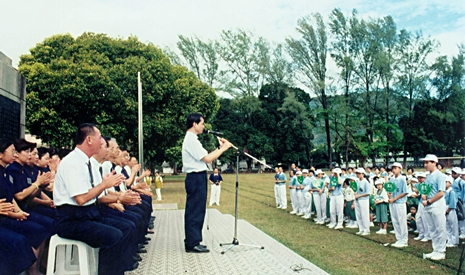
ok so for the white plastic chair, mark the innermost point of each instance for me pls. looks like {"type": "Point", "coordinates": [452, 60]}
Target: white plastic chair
{"type": "Point", "coordinates": [70, 257]}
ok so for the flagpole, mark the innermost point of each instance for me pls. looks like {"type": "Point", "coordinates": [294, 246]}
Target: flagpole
{"type": "Point", "coordinates": [141, 132]}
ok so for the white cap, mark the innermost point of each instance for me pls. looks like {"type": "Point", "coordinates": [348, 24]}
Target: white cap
{"type": "Point", "coordinates": [396, 164]}
{"type": "Point", "coordinates": [448, 172]}
{"type": "Point", "coordinates": [457, 170]}
{"type": "Point", "coordinates": [298, 173]}
{"type": "Point", "coordinates": [305, 171]}
{"type": "Point", "coordinates": [421, 174]}
{"type": "Point", "coordinates": [318, 171]}
{"type": "Point", "coordinates": [430, 157]}
{"type": "Point", "coordinates": [449, 179]}
{"type": "Point", "coordinates": [379, 181]}
{"type": "Point", "coordinates": [360, 170]}
{"type": "Point", "coordinates": [414, 179]}
{"type": "Point", "coordinates": [326, 179]}
{"type": "Point", "coordinates": [337, 170]}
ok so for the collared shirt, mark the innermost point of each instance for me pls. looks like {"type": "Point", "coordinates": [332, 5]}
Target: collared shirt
{"type": "Point", "coordinates": [72, 179]}
{"type": "Point", "coordinates": [381, 195]}
{"type": "Point", "coordinates": [437, 181]}
{"type": "Point", "coordinates": [96, 173]}
{"type": "Point", "coordinates": [459, 188]}
{"type": "Point", "coordinates": [216, 178]}
{"type": "Point", "coordinates": [348, 194]}
{"type": "Point", "coordinates": [293, 181]}
{"type": "Point", "coordinates": [192, 154]}
{"type": "Point", "coordinates": [317, 184]}
{"type": "Point", "coordinates": [363, 187]}
{"type": "Point", "coordinates": [18, 177]}
{"type": "Point", "coordinates": [7, 190]}
{"type": "Point", "coordinates": [401, 188]}
{"type": "Point", "coordinates": [337, 190]}
{"type": "Point", "coordinates": [122, 185]}
{"type": "Point", "coordinates": [307, 184]}
{"type": "Point", "coordinates": [106, 167]}
{"type": "Point", "coordinates": [451, 198]}
{"type": "Point", "coordinates": [282, 178]}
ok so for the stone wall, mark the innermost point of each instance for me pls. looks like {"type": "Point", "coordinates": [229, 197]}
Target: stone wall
{"type": "Point", "coordinates": [12, 100]}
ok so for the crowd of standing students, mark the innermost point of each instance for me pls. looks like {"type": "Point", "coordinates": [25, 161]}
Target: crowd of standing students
{"type": "Point", "coordinates": [93, 194]}
{"type": "Point", "coordinates": [428, 203]}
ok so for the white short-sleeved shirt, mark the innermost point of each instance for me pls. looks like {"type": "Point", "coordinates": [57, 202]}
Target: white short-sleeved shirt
{"type": "Point", "coordinates": [72, 179]}
{"type": "Point", "coordinates": [106, 167]}
{"type": "Point", "coordinates": [122, 185]}
{"type": "Point", "coordinates": [192, 154]}
{"type": "Point", "coordinates": [96, 173]}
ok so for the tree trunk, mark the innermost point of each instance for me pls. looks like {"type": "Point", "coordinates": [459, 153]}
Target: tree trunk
{"type": "Point", "coordinates": [327, 130]}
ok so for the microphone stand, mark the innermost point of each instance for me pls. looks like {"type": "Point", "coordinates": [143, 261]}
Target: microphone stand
{"type": "Point", "coordinates": [235, 241]}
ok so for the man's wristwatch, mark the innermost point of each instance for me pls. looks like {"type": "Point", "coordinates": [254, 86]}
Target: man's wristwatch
{"type": "Point", "coordinates": [428, 202]}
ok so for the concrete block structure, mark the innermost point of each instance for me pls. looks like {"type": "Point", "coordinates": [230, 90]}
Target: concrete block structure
{"type": "Point", "coordinates": [12, 100]}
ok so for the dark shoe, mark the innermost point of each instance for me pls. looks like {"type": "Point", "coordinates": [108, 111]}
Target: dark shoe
{"type": "Point", "coordinates": [150, 232]}
{"type": "Point", "coordinates": [140, 246]}
{"type": "Point", "coordinates": [204, 246]}
{"type": "Point", "coordinates": [151, 226]}
{"type": "Point", "coordinates": [197, 249]}
{"type": "Point", "coordinates": [134, 266]}
{"type": "Point", "coordinates": [147, 239]}
{"type": "Point", "coordinates": [137, 258]}
{"type": "Point", "coordinates": [142, 250]}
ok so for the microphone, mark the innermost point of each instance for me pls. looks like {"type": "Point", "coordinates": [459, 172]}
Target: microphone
{"type": "Point", "coordinates": [205, 131]}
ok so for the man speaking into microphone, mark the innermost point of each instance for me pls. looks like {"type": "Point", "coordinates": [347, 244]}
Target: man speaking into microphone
{"type": "Point", "coordinates": [194, 160]}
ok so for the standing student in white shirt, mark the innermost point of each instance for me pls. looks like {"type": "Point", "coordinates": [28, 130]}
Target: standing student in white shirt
{"type": "Point", "coordinates": [362, 203]}
{"type": "Point", "coordinates": [398, 207]}
{"type": "Point", "coordinates": [435, 207]}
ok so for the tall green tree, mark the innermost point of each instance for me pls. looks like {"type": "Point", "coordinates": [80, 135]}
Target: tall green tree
{"type": "Point", "coordinates": [202, 58]}
{"type": "Point", "coordinates": [309, 56]}
{"type": "Point", "coordinates": [244, 56]}
{"type": "Point", "coordinates": [342, 53]}
{"type": "Point", "coordinates": [93, 78]}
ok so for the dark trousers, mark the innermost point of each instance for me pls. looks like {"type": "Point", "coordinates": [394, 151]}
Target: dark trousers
{"type": "Point", "coordinates": [135, 219]}
{"type": "Point", "coordinates": [196, 203]}
{"type": "Point", "coordinates": [44, 210]}
{"type": "Point", "coordinates": [45, 221]}
{"type": "Point", "coordinates": [84, 223]}
{"type": "Point", "coordinates": [138, 209]}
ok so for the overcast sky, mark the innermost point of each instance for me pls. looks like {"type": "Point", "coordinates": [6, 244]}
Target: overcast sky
{"type": "Point", "coordinates": [23, 23]}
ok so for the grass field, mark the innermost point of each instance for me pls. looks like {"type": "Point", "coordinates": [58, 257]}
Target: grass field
{"type": "Point", "coordinates": [337, 252]}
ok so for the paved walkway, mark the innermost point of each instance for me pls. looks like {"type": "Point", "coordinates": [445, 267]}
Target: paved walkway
{"type": "Point", "coordinates": [166, 253]}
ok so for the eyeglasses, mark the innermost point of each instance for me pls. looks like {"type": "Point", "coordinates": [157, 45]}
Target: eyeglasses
{"type": "Point", "coordinates": [13, 151]}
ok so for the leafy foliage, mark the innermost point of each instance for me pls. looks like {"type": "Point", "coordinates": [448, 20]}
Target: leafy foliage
{"type": "Point", "coordinates": [93, 78]}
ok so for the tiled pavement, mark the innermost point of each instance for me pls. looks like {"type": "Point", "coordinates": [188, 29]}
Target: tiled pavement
{"type": "Point", "coordinates": [166, 253]}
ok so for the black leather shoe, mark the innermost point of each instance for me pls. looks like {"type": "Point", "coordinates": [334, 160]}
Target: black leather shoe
{"type": "Point", "coordinates": [142, 251]}
{"type": "Point", "coordinates": [140, 246]}
{"type": "Point", "coordinates": [147, 239]}
{"type": "Point", "coordinates": [197, 249]}
{"type": "Point", "coordinates": [133, 267]}
{"type": "Point", "coordinates": [137, 258]}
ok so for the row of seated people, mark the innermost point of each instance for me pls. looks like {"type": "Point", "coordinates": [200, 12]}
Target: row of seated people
{"type": "Point", "coordinates": [32, 209]}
